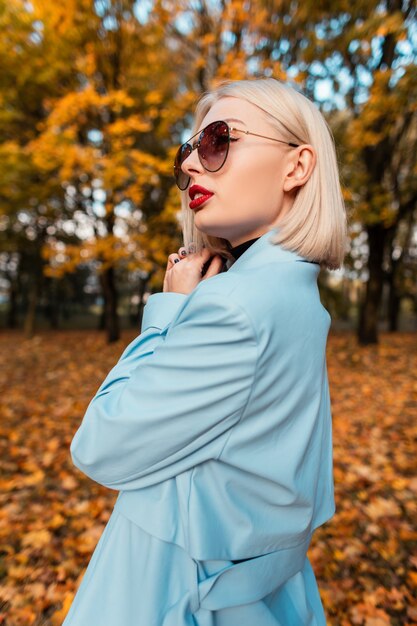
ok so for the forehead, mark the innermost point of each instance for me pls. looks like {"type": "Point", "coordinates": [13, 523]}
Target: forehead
{"type": "Point", "coordinates": [234, 108]}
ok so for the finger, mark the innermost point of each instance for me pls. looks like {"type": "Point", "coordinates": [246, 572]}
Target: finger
{"type": "Point", "coordinates": [192, 250]}
{"type": "Point", "coordinates": [214, 267]}
{"type": "Point", "coordinates": [182, 252]}
{"type": "Point", "coordinates": [171, 260]}
{"type": "Point", "coordinates": [201, 260]}
{"type": "Point", "coordinates": [204, 254]}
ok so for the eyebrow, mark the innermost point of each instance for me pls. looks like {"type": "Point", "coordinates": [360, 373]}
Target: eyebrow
{"type": "Point", "coordinates": [228, 119]}
{"type": "Point", "coordinates": [225, 119]}
{"type": "Point", "coordinates": [234, 119]}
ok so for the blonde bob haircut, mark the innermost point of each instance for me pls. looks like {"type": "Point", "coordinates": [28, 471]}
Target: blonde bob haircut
{"type": "Point", "coordinates": [316, 225]}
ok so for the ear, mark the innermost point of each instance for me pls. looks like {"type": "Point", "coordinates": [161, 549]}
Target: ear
{"type": "Point", "coordinates": [300, 166]}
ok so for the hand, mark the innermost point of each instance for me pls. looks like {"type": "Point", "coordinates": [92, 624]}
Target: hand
{"type": "Point", "coordinates": [184, 269]}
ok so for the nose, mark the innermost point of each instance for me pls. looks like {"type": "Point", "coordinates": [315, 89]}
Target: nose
{"type": "Point", "coordinates": [192, 165]}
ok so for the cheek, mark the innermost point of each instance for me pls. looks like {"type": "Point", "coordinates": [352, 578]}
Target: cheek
{"type": "Point", "coordinates": [252, 178]}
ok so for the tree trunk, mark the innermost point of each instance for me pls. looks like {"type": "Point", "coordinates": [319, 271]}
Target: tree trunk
{"type": "Point", "coordinates": [110, 305]}
{"type": "Point", "coordinates": [143, 285]}
{"type": "Point", "coordinates": [394, 302]}
{"type": "Point", "coordinates": [141, 305]}
{"type": "Point", "coordinates": [12, 308]}
{"type": "Point", "coordinates": [368, 318]}
{"type": "Point", "coordinates": [397, 267]}
{"type": "Point", "coordinates": [102, 317]}
{"type": "Point", "coordinates": [52, 307]}
{"type": "Point", "coordinates": [394, 297]}
{"type": "Point", "coordinates": [30, 317]}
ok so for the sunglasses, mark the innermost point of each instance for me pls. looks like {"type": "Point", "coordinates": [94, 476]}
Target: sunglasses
{"type": "Point", "coordinates": [212, 148]}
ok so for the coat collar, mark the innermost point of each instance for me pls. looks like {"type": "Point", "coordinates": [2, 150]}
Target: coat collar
{"type": "Point", "coordinates": [264, 251]}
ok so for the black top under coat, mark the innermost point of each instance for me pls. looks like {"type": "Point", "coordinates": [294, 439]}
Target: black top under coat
{"type": "Point", "coordinates": [238, 250]}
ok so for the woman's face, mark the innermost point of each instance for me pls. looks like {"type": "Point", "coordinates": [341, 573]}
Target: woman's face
{"type": "Point", "coordinates": [257, 183]}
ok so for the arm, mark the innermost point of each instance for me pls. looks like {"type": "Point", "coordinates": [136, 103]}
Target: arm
{"type": "Point", "coordinates": [159, 311]}
{"type": "Point", "coordinates": [173, 405]}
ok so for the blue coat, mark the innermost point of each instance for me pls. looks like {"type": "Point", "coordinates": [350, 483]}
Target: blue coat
{"type": "Point", "coordinates": [215, 429]}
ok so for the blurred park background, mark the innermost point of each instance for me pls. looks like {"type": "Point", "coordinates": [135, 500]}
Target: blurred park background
{"type": "Point", "coordinates": [95, 97]}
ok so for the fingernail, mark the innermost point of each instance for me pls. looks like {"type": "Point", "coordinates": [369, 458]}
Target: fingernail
{"type": "Point", "coordinates": [183, 252]}
{"type": "Point", "coordinates": [176, 260]}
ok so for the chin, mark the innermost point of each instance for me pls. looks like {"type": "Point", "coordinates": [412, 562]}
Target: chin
{"type": "Point", "coordinates": [207, 222]}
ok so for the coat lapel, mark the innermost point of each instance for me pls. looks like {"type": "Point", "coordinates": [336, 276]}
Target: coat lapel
{"type": "Point", "coordinates": [264, 251]}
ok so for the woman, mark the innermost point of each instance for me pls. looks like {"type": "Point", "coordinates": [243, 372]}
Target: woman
{"type": "Point", "coordinates": [215, 424]}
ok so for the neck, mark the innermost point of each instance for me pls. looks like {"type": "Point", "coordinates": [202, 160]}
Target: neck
{"type": "Point", "coordinates": [232, 243]}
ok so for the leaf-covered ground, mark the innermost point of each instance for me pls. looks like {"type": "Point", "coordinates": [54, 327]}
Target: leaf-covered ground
{"type": "Point", "coordinates": [51, 516]}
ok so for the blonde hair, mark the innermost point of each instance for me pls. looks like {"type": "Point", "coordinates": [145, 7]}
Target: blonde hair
{"type": "Point", "coordinates": [316, 225]}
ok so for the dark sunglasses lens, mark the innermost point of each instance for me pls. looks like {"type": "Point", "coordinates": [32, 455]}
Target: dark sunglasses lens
{"type": "Point", "coordinates": [214, 146]}
{"type": "Point", "coordinates": [181, 178]}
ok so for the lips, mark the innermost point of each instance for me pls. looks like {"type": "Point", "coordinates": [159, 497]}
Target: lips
{"type": "Point", "coordinates": [202, 196]}
{"type": "Point", "coordinates": [195, 189]}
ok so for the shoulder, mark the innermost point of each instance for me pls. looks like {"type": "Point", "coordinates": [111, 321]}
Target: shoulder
{"type": "Point", "coordinates": [267, 297]}
{"type": "Point", "coordinates": [274, 288]}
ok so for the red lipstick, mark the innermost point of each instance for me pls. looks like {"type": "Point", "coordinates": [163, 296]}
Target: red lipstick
{"type": "Point", "coordinates": [197, 202]}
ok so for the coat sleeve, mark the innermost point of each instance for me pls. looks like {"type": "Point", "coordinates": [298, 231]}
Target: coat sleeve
{"type": "Point", "coordinates": [159, 311]}
{"type": "Point", "coordinates": [163, 410]}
